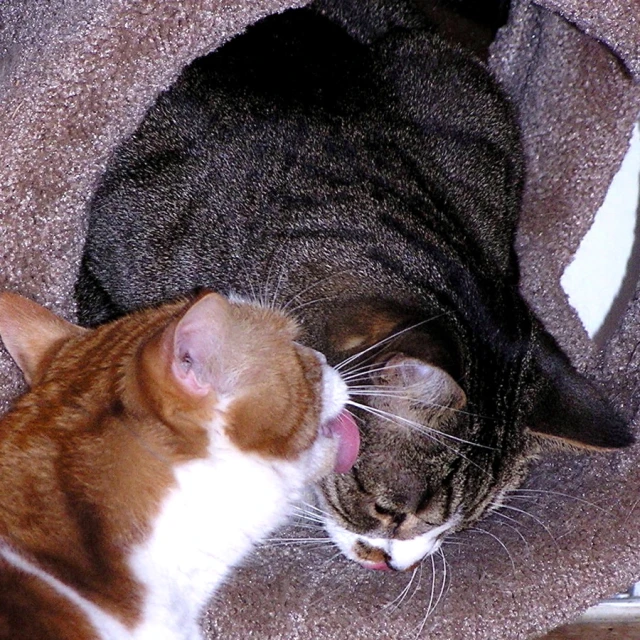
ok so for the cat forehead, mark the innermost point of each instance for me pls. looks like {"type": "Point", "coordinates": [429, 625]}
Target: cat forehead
{"type": "Point", "coordinates": [253, 314]}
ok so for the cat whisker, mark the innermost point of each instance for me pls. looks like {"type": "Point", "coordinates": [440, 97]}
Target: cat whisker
{"type": "Point", "coordinates": [271, 292]}
{"type": "Point", "coordinates": [314, 285]}
{"type": "Point", "coordinates": [292, 539]}
{"type": "Point", "coordinates": [443, 581]}
{"type": "Point", "coordinates": [425, 431]}
{"type": "Point", "coordinates": [332, 558]}
{"type": "Point", "coordinates": [282, 542]}
{"type": "Point", "coordinates": [312, 525]}
{"type": "Point", "coordinates": [327, 594]}
{"type": "Point", "coordinates": [379, 343]}
{"type": "Point", "coordinates": [420, 569]}
{"type": "Point", "coordinates": [397, 601]}
{"type": "Point", "coordinates": [502, 544]}
{"type": "Point", "coordinates": [366, 369]}
{"type": "Point", "coordinates": [512, 526]}
{"type": "Point", "coordinates": [278, 287]}
{"type": "Point", "coordinates": [308, 510]}
{"type": "Point", "coordinates": [631, 510]}
{"type": "Point", "coordinates": [430, 606]}
{"type": "Point", "coordinates": [372, 392]}
{"type": "Point", "coordinates": [377, 394]}
{"type": "Point", "coordinates": [515, 492]}
{"type": "Point", "coordinates": [309, 518]}
{"type": "Point", "coordinates": [297, 308]}
{"type": "Point", "coordinates": [315, 509]}
{"type": "Point", "coordinates": [534, 518]}
{"type": "Point", "coordinates": [428, 431]}
{"type": "Point", "coordinates": [384, 392]}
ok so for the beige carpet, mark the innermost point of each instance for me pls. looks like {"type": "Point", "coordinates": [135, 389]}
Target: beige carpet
{"type": "Point", "coordinates": [77, 75]}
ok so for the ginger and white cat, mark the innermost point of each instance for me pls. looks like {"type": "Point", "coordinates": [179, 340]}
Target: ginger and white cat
{"type": "Point", "coordinates": [147, 459]}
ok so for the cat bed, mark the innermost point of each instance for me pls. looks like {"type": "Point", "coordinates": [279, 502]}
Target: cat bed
{"type": "Point", "coordinates": [76, 76]}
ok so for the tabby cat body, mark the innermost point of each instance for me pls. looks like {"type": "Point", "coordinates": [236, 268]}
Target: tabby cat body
{"type": "Point", "coordinates": [344, 160]}
{"type": "Point", "coordinates": [147, 459]}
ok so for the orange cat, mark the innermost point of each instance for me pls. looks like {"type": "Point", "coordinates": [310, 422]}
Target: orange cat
{"type": "Point", "coordinates": [148, 458]}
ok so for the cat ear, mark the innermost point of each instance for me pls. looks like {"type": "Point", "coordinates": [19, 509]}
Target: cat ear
{"type": "Point", "coordinates": [431, 385]}
{"type": "Point", "coordinates": [198, 345]}
{"type": "Point", "coordinates": [31, 332]}
{"type": "Point", "coordinates": [366, 323]}
{"type": "Point", "coordinates": [567, 407]}
{"type": "Point", "coordinates": [358, 325]}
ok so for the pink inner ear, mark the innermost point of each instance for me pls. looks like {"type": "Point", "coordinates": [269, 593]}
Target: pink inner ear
{"type": "Point", "coordinates": [198, 345]}
{"type": "Point", "coordinates": [188, 379]}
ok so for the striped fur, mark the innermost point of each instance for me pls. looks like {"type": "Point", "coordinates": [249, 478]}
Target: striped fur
{"type": "Point", "coordinates": [343, 159]}
{"type": "Point", "coordinates": [147, 459]}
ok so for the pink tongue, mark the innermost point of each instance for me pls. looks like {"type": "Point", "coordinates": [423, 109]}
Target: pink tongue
{"type": "Point", "coordinates": [345, 429]}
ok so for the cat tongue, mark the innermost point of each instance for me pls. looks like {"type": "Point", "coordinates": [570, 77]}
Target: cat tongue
{"type": "Point", "coordinates": [345, 429]}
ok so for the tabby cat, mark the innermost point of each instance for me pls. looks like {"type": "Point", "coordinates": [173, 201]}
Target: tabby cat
{"type": "Point", "coordinates": [343, 160]}
{"type": "Point", "coordinates": [147, 459]}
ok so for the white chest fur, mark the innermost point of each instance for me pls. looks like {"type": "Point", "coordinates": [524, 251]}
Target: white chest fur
{"type": "Point", "coordinates": [217, 511]}
{"type": "Point", "coordinates": [209, 521]}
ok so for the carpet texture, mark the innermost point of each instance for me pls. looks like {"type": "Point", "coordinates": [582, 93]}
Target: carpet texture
{"type": "Point", "coordinates": [76, 76]}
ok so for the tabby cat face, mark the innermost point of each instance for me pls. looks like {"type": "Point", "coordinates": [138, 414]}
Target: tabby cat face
{"type": "Point", "coordinates": [430, 464]}
{"type": "Point", "coordinates": [394, 509]}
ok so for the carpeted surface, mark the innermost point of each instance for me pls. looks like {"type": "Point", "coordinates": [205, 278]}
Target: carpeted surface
{"type": "Point", "coordinates": [77, 75]}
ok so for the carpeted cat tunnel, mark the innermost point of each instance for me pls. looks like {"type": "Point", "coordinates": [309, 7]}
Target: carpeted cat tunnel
{"type": "Point", "coordinates": [76, 76]}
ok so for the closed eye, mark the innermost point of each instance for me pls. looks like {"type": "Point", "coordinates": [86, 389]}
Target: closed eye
{"type": "Point", "coordinates": [382, 510]}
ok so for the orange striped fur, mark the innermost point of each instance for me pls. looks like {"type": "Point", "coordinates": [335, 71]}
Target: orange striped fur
{"type": "Point", "coordinates": [118, 422]}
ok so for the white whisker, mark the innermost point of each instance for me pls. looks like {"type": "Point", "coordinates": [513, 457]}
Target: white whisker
{"type": "Point", "coordinates": [514, 493]}
{"type": "Point", "coordinates": [279, 542]}
{"type": "Point", "coordinates": [393, 336]}
{"type": "Point", "coordinates": [432, 594]}
{"type": "Point", "coordinates": [304, 522]}
{"type": "Point", "coordinates": [526, 513]}
{"type": "Point", "coordinates": [311, 516]}
{"type": "Point", "coordinates": [332, 558]}
{"type": "Point", "coordinates": [302, 305]}
{"type": "Point", "coordinates": [401, 596]}
{"type": "Point", "coordinates": [314, 508]}
{"type": "Point", "coordinates": [512, 526]}
{"type": "Point", "coordinates": [427, 431]}
{"type": "Point", "coordinates": [423, 429]}
{"type": "Point", "coordinates": [314, 285]}
{"type": "Point", "coordinates": [444, 578]}
{"type": "Point", "coordinates": [367, 369]}
{"type": "Point", "coordinates": [384, 392]}
{"type": "Point", "coordinates": [502, 544]}
{"type": "Point", "coordinates": [326, 594]}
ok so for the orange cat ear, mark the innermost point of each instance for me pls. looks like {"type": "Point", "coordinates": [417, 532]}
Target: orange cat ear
{"type": "Point", "coordinates": [30, 333]}
{"type": "Point", "coordinates": [199, 343]}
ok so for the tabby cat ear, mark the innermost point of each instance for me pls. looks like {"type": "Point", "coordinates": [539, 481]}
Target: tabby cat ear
{"type": "Point", "coordinates": [428, 383]}
{"type": "Point", "coordinates": [31, 333]}
{"type": "Point", "coordinates": [567, 407]}
{"type": "Point", "coordinates": [199, 341]}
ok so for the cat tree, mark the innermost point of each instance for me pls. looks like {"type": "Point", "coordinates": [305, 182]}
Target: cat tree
{"type": "Point", "coordinates": [76, 76]}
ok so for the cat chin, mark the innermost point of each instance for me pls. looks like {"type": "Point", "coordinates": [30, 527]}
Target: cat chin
{"type": "Point", "coordinates": [386, 553]}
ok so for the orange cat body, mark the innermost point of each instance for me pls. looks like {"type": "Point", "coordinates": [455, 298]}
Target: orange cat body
{"type": "Point", "coordinates": [146, 460]}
